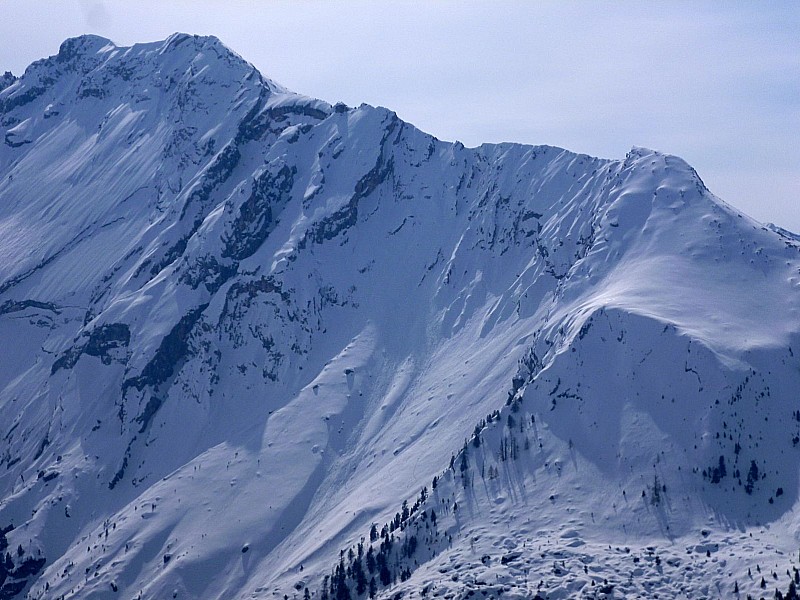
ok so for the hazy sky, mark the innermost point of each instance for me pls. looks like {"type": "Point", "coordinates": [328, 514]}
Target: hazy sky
{"type": "Point", "coordinates": [717, 83]}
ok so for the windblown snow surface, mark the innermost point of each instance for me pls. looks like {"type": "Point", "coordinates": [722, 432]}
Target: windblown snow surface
{"type": "Point", "coordinates": [241, 326]}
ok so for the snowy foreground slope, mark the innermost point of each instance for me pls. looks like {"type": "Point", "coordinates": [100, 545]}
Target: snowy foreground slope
{"type": "Point", "coordinates": [242, 326]}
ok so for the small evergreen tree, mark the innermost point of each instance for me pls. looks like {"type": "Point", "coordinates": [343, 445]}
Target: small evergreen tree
{"type": "Point", "coordinates": [360, 577]}
{"type": "Point", "coordinates": [370, 560]}
{"type": "Point", "coordinates": [385, 575]}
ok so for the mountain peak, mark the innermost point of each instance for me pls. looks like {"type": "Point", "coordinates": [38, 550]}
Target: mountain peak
{"type": "Point", "coordinates": [90, 44]}
{"type": "Point", "coordinates": [179, 38]}
{"type": "Point", "coordinates": [91, 49]}
{"type": "Point", "coordinates": [92, 65]}
{"type": "Point", "coordinates": [86, 43]}
{"type": "Point", "coordinates": [84, 47]}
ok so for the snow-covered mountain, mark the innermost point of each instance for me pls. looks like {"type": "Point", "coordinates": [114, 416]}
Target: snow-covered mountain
{"type": "Point", "coordinates": [241, 327]}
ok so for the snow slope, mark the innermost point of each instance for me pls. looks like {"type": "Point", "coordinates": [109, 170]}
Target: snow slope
{"type": "Point", "coordinates": [242, 326]}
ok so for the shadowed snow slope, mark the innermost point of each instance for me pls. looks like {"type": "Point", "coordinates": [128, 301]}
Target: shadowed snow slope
{"type": "Point", "coordinates": [241, 326]}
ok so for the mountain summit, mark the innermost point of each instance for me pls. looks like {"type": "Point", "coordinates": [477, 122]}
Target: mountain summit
{"type": "Point", "coordinates": [258, 345]}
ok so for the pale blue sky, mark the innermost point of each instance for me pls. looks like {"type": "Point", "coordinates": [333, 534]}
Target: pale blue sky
{"type": "Point", "coordinates": [717, 83]}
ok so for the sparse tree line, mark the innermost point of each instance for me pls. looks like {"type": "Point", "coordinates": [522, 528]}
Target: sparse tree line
{"type": "Point", "coordinates": [393, 551]}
